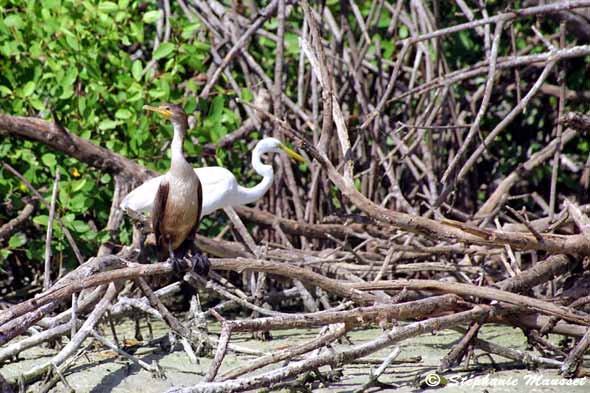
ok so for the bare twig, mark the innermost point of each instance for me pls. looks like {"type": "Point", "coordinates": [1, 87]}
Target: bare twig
{"type": "Point", "coordinates": [47, 275]}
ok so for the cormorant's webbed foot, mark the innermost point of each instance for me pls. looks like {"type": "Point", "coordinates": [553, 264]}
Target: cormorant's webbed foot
{"type": "Point", "coordinates": [200, 264]}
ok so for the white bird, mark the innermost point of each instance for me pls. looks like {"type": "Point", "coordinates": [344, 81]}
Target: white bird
{"type": "Point", "coordinates": [220, 187]}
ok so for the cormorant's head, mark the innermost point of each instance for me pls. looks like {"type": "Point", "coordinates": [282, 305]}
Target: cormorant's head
{"type": "Point", "coordinates": [173, 112]}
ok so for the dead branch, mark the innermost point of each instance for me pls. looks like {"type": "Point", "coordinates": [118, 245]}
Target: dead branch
{"type": "Point", "coordinates": [12, 226]}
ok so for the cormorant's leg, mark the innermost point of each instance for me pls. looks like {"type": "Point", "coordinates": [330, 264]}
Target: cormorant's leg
{"type": "Point", "coordinates": [200, 263]}
{"type": "Point", "coordinates": [175, 261]}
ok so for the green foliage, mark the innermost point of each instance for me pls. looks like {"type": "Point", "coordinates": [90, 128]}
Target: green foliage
{"type": "Point", "coordinates": [93, 63]}
{"type": "Point", "coordinates": [88, 62]}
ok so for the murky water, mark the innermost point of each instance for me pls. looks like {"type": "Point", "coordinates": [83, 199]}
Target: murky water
{"type": "Point", "coordinates": [101, 370]}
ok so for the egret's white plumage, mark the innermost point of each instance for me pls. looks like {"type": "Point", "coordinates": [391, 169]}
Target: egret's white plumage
{"type": "Point", "coordinates": [220, 187]}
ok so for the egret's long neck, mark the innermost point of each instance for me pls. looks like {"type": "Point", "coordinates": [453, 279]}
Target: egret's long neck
{"type": "Point", "coordinates": [248, 195]}
{"type": "Point", "coordinates": [176, 146]}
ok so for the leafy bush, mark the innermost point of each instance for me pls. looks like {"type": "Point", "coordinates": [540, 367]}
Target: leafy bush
{"type": "Point", "coordinates": [88, 63]}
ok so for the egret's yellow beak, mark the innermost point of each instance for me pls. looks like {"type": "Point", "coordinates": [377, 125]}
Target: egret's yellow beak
{"type": "Point", "coordinates": [291, 153]}
{"type": "Point", "coordinates": [164, 112]}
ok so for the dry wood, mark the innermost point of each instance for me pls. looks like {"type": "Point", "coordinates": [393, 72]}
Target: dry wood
{"type": "Point", "coordinates": [575, 357]}
{"type": "Point", "coordinates": [288, 353]}
{"type": "Point", "coordinates": [388, 338]}
{"type": "Point", "coordinates": [452, 231]}
{"type": "Point", "coordinates": [48, 252]}
{"type": "Point", "coordinates": [12, 226]}
{"type": "Point", "coordinates": [480, 292]}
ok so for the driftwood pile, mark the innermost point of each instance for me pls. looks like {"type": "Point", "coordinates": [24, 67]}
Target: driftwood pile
{"type": "Point", "coordinates": [395, 148]}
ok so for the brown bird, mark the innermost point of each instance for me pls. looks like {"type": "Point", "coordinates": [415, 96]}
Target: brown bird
{"type": "Point", "coordinates": [178, 202]}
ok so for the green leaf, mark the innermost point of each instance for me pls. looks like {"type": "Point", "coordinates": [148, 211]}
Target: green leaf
{"type": "Point", "coordinates": [466, 39]}
{"type": "Point", "coordinates": [35, 50]}
{"type": "Point", "coordinates": [123, 114]}
{"type": "Point", "coordinates": [188, 31]}
{"type": "Point", "coordinates": [41, 220]}
{"type": "Point", "coordinates": [152, 16]}
{"type": "Point", "coordinates": [79, 203]}
{"type": "Point", "coordinates": [48, 159]}
{"type": "Point", "coordinates": [163, 50]}
{"type": "Point", "coordinates": [136, 70]}
{"type": "Point", "coordinates": [80, 226]}
{"type": "Point", "coordinates": [5, 91]}
{"type": "Point", "coordinates": [70, 76]}
{"type": "Point", "coordinates": [68, 91]}
{"type": "Point", "coordinates": [72, 42]}
{"type": "Point", "coordinates": [247, 95]}
{"type": "Point", "coordinates": [78, 184]}
{"type": "Point", "coordinates": [108, 124]}
{"type": "Point", "coordinates": [14, 20]}
{"type": "Point", "coordinates": [216, 108]}
{"type": "Point", "coordinates": [50, 4]}
{"type": "Point", "coordinates": [17, 240]}
{"type": "Point", "coordinates": [28, 89]}
{"type": "Point", "coordinates": [68, 218]}
{"type": "Point", "coordinates": [108, 6]}
{"type": "Point", "coordinates": [37, 104]}
{"type": "Point", "coordinates": [403, 32]}
{"type": "Point", "coordinates": [104, 179]}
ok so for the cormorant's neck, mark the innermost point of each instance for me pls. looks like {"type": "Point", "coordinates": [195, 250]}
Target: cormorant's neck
{"type": "Point", "coordinates": [177, 141]}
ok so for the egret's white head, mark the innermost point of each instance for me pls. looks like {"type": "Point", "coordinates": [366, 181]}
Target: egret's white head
{"type": "Point", "coordinates": [270, 145]}
{"type": "Point", "coordinates": [273, 145]}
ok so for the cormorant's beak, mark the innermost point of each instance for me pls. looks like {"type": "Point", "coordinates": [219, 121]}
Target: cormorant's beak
{"type": "Point", "coordinates": [164, 112]}
{"type": "Point", "coordinates": [291, 153]}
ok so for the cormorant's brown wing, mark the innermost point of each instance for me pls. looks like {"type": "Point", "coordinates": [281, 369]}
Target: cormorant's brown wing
{"type": "Point", "coordinates": [195, 228]}
{"type": "Point", "coordinates": [158, 211]}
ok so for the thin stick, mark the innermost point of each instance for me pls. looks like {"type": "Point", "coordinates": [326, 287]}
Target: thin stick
{"type": "Point", "coordinates": [288, 353]}
{"type": "Point", "coordinates": [241, 228]}
{"type": "Point", "coordinates": [194, 337]}
{"type": "Point", "coordinates": [456, 353]}
{"type": "Point", "coordinates": [374, 377]}
{"type": "Point", "coordinates": [574, 358]}
{"type": "Point", "coordinates": [107, 343]}
{"type": "Point", "coordinates": [451, 169]}
{"type": "Point", "coordinates": [40, 198]}
{"type": "Point", "coordinates": [219, 353]}
{"type": "Point", "coordinates": [508, 16]}
{"type": "Point", "coordinates": [264, 14]}
{"type": "Point", "coordinates": [499, 128]}
{"type": "Point", "coordinates": [47, 275]}
{"type": "Point", "coordinates": [11, 226]}
{"type": "Point", "coordinates": [73, 345]}
{"type": "Point", "coordinates": [555, 168]}
{"type": "Point", "coordinates": [73, 320]}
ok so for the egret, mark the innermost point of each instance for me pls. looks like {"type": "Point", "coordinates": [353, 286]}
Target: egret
{"type": "Point", "coordinates": [220, 187]}
{"type": "Point", "coordinates": [178, 198]}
